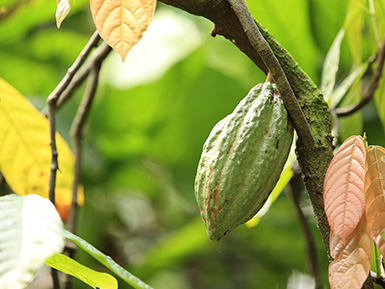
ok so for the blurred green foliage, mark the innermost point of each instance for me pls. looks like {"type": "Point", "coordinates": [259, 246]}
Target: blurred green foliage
{"type": "Point", "coordinates": [143, 141]}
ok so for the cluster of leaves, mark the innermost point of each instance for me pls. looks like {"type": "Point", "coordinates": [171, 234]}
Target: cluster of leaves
{"type": "Point", "coordinates": [25, 162]}
{"type": "Point", "coordinates": [32, 232]}
{"type": "Point", "coordinates": [354, 199]}
{"type": "Point", "coordinates": [122, 157]}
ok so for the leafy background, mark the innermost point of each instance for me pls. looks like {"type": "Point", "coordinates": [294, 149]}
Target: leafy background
{"type": "Point", "coordinates": [147, 127]}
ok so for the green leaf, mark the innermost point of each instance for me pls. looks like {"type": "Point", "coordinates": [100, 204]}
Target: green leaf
{"type": "Point", "coordinates": [349, 83]}
{"type": "Point", "coordinates": [108, 262]}
{"type": "Point", "coordinates": [326, 16]}
{"type": "Point", "coordinates": [179, 245]}
{"type": "Point", "coordinates": [352, 124]}
{"type": "Point", "coordinates": [354, 25]}
{"type": "Point", "coordinates": [379, 10]}
{"type": "Point", "coordinates": [330, 67]}
{"type": "Point", "coordinates": [30, 232]}
{"type": "Point", "coordinates": [71, 267]}
{"type": "Point", "coordinates": [22, 16]}
{"type": "Point", "coordinates": [292, 29]}
{"type": "Point", "coordinates": [379, 98]}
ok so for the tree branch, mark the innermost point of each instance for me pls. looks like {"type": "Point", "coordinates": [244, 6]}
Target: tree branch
{"type": "Point", "coordinates": [371, 87]}
{"type": "Point", "coordinates": [96, 57]}
{"type": "Point", "coordinates": [377, 279]}
{"type": "Point", "coordinates": [262, 47]}
{"type": "Point", "coordinates": [313, 160]}
{"type": "Point", "coordinates": [76, 134]}
{"type": "Point", "coordinates": [52, 100]}
{"type": "Point", "coordinates": [295, 189]}
{"type": "Point", "coordinates": [55, 278]}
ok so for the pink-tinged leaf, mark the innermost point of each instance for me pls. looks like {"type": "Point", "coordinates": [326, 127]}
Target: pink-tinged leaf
{"type": "Point", "coordinates": [351, 264]}
{"type": "Point", "coordinates": [344, 187]}
{"type": "Point", "coordinates": [374, 194]}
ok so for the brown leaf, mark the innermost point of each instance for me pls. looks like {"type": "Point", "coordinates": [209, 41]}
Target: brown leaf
{"type": "Point", "coordinates": [351, 264]}
{"type": "Point", "coordinates": [122, 23]}
{"type": "Point", "coordinates": [374, 194]}
{"type": "Point", "coordinates": [344, 187]}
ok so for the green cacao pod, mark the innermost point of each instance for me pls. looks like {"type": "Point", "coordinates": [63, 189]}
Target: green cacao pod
{"type": "Point", "coordinates": [242, 160]}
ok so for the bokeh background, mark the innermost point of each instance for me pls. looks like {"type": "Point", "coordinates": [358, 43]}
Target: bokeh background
{"type": "Point", "coordinates": [147, 127]}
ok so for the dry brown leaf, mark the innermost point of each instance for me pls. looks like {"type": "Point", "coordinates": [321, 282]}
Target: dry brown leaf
{"type": "Point", "coordinates": [122, 23]}
{"type": "Point", "coordinates": [344, 187]}
{"type": "Point", "coordinates": [351, 264]}
{"type": "Point", "coordinates": [374, 194]}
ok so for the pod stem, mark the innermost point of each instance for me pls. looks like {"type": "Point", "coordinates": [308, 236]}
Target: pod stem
{"type": "Point", "coordinates": [262, 47]}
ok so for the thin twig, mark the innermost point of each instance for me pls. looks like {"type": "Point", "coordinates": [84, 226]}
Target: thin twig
{"type": "Point", "coordinates": [93, 42]}
{"type": "Point", "coordinates": [76, 134]}
{"type": "Point", "coordinates": [2, 182]}
{"type": "Point", "coordinates": [262, 47]}
{"type": "Point", "coordinates": [54, 161]}
{"type": "Point", "coordinates": [55, 278]}
{"type": "Point", "coordinates": [379, 280]}
{"type": "Point", "coordinates": [371, 87]}
{"type": "Point", "coordinates": [295, 189]}
{"type": "Point", "coordinates": [97, 56]}
{"type": "Point", "coordinates": [52, 100]}
{"type": "Point", "coordinates": [93, 69]}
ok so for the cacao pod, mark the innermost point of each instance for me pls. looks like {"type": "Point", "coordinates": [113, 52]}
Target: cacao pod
{"type": "Point", "coordinates": [242, 160]}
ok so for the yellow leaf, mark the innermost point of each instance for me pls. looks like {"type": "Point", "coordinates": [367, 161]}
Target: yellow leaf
{"type": "Point", "coordinates": [25, 152]}
{"type": "Point", "coordinates": [351, 264]}
{"type": "Point", "coordinates": [91, 277]}
{"type": "Point", "coordinates": [122, 23]}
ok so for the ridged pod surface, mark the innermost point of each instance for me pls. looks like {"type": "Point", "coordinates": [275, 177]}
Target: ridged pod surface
{"type": "Point", "coordinates": [242, 160]}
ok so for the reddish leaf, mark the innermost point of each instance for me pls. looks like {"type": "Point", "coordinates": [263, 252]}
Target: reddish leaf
{"type": "Point", "coordinates": [374, 194]}
{"type": "Point", "coordinates": [351, 264]}
{"type": "Point", "coordinates": [344, 187]}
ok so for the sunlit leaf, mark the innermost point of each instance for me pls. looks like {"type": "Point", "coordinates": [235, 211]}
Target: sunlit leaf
{"type": "Point", "coordinates": [107, 261]}
{"type": "Point", "coordinates": [25, 153]}
{"type": "Point", "coordinates": [374, 194]}
{"type": "Point", "coordinates": [30, 232]}
{"type": "Point", "coordinates": [330, 67]}
{"type": "Point", "coordinates": [62, 10]}
{"type": "Point", "coordinates": [380, 100]}
{"type": "Point", "coordinates": [122, 23]}
{"type": "Point", "coordinates": [349, 83]}
{"type": "Point", "coordinates": [379, 12]}
{"type": "Point", "coordinates": [275, 17]}
{"type": "Point", "coordinates": [91, 277]}
{"type": "Point", "coordinates": [27, 14]}
{"type": "Point", "coordinates": [344, 187]}
{"type": "Point", "coordinates": [351, 264]}
{"type": "Point", "coordinates": [352, 124]}
{"type": "Point", "coordinates": [354, 25]}
{"type": "Point", "coordinates": [284, 179]}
